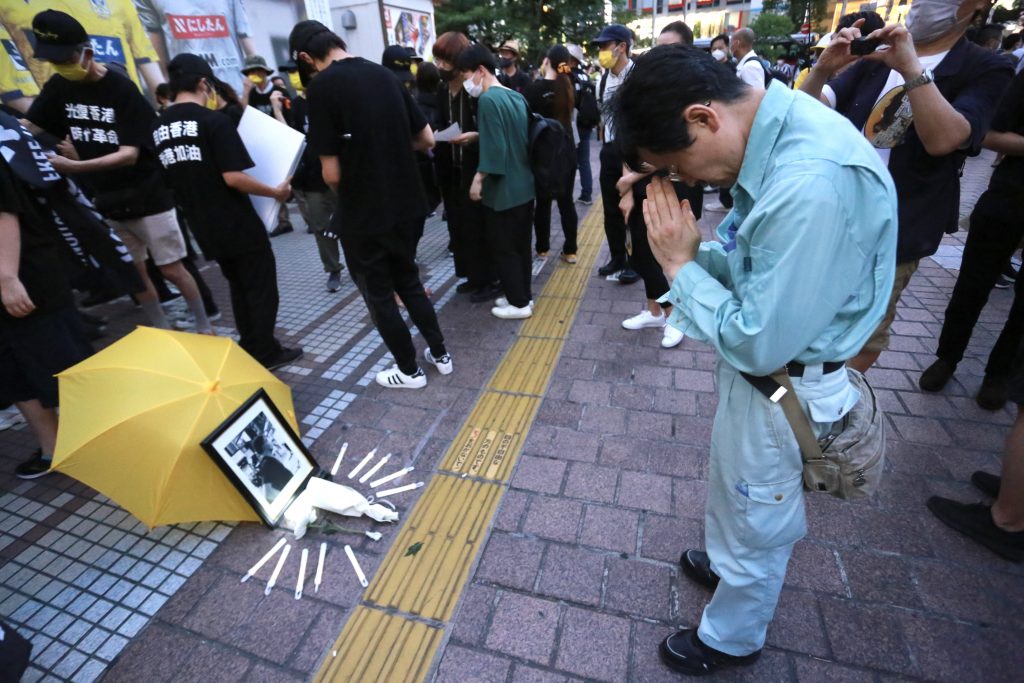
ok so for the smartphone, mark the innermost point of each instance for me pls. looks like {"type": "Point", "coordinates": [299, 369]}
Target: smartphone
{"type": "Point", "coordinates": [864, 46]}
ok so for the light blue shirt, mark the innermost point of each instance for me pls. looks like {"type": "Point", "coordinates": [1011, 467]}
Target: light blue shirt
{"type": "Point", "coordinates": [808, 274]}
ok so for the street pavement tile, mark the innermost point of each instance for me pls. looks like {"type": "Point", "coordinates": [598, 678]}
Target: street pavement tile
{"type": "Point", "coordinates": [543, 475]}
{"type": "Point", "coordinates": [573, 574]}
{"type": "Point", "coordinates": [317, 640]}
{"type": "Point", "coordinates": [644, 491]}
{"type": "Point", "coordinates": [880, 578]}
{"type": "Point", "coordinates": [690, 497]}
{"type": "Point", "coordinates": [866, 635]}
{"type": "Point", "coordinates": [149, 656]}
{"type": "Point", "coordinates": [224, 607]}
{"type": "Point", "coordinates": [675, 402]}
{"type": "Point", "coordinates": [639, 588]}
{"type": "Point", "coordinates": [213, 663]}
{"type": "Point", "coordinates": [952, 652]}
{"type": "Point", "coordinates": [511, 561]}
{"type": "Point", "coordinates": [811, 670]}
{"type": "Point", "coordinates": [512, 511]}
{"type": "Point", "coordinates": [265, 673]}
{"type": "Point", "coordinates": [603, 420]}
{"type": "Point", "coordinates": [967, 594]}
{"type": "Point", "coordinates": [557, 519]}
{"type": "Point", "coordinates": [528, 674]}
{"type": "Point", "coordinates": [813, 566]}
{"type": "Point", "coordinates": [609, 528]}
{"type": "Point", "coordinates": [665, 538]}
{"type": "Point", "coordinates": [594, 645]}
{"type": "Point", "coordinates": [591, 482]}
{"type": "Point", "coordinates": [797, 625]}
{"type": "Point", "coordinates": [524, 626]}
{"type": "Point", "coordinates": [462, 665]}
{"type": "Point", "coordinates": [473, 614]}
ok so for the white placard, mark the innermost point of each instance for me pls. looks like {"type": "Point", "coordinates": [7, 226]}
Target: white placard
{"type": "Point", "coordinates": [275, 149]}
{"type": "Point", "coordinates": [448, 134]}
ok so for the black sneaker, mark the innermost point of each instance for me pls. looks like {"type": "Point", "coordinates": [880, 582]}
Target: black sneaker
{"type": "Point", "coordinates": [697, 566]}
{"type": "Point", "coordinates": [281, 229]}
{"type": "Point", "coordinates": [488, 293]}
{"type": "Point", "coordinates": [936, 376]}
{"type": "Point", "coordinates": [684, 652]}
{"type": "Point", "coordinates": [987, 483]}
{"type": "Point", "coordinates": [282, 358]}
{"type": "Point", "coordinates": [993, 393]}
{"type": "Point", "coordinates": [975, 521]}
{"type": "Point", "coordinates": [628, 276]}
{"type": "Point", "coordinates": [612, 266]}
{"type": "Point", "coordinates": [1003, 282]}
{"type": "Point", "coordinates": [467, 286]}
{"type": "Point", "coordinates": [33, 468]}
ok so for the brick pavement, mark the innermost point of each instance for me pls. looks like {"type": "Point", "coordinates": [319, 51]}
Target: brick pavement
{"type": "Point", "coordinates": [578, 580]}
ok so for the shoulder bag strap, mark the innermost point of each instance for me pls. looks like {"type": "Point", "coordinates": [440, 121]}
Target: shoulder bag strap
{"type": "Point", "coordinates": [797, 418]}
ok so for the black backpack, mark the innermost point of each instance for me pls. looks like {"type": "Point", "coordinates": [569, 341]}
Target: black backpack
{"type": "Point", "coordinates": [552, 157]}
{"type": "Point", "coordinates": [588, 114]}
{"type": "Point", "coordinates": [772, 73]}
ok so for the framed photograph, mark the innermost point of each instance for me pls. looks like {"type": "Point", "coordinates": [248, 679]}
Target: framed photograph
{"type": "Point", "coordinates": [261, 455]}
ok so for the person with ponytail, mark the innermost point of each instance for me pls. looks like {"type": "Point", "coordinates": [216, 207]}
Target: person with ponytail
{"type": "Point", "coordinates": [553, 96]}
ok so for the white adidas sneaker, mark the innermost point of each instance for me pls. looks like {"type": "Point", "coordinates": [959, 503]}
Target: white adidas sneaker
{"type": "Point", "coordinates": [393, 378]}
{"type": "Point", "coordinates": [510, 312]}
{"type": "Point", "coordinates": [443, 364]}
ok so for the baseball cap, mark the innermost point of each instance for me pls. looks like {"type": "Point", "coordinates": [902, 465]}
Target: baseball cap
{"type": "Point", "coordinates": [614, 32]}
{"type": "Point", "coordinates": [187, 64]}
{"type": "Point", "coordinates": [58, 36]}
{"type": "Point", "coordinates": [396, 58]}
{"type": "Point", "coordinates": [285, 67]}
{"type": "Point", "coordinates": [255, 62]}
{"type": "Point", "coordinates": [577, 53]}
{"type": "Point", "coordinates": [302, 33]}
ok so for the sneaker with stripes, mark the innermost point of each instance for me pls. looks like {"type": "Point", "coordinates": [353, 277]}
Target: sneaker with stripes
{"type": "Point", "coordinates": [393, 378]}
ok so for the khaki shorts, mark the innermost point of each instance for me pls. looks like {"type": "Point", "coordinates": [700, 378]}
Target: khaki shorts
{"type": "Point", "coordinates": [158, 233]}
{"type": "Point", "coordinates": [880, 339]}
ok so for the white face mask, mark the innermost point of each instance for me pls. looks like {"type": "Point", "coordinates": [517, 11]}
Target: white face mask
{"type": "Point", "coordinates": [473, 89]}
{"type": "Point", "coordinates": [719, 55]}
{"type": "Point", "coordinates": [931, 19]}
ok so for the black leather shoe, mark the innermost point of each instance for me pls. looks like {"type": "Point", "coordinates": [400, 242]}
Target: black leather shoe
{"type": "Point", "coordinates": [612, 266]}
{"type": "Point", "coordinates": [628, 276]}
{"type": "Point", "coordinates": [975, 522]}
{"type": "Point", "coordinates": [987, 483]}
{"type": "Point", "coordinates": [684, 652]}
{"type": "Point", "coordinates": [936, 376]}
{"type": "Point", "coordinates": [467, 286]}
{"type": "Point", "coordinates": [993, 392]}
{"type": "Point", "coordinates": [488, 293]}
{"type": "Point", "coordinates": [697, 565]}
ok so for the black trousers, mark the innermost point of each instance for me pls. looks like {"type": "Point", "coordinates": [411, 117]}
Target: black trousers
{"type": "Point", "coordinates": [542, 222]}
{"type": "Point", "coordinates": [508, 233]}
{"type": "Point", "coordinates": [996, 230]}
{"type": "Point", "coordinates": [383, 264]}
{"type": "Point", "coordinates": [467, 237]}
{"type": "Point", "coordinates": [614, 223]}
{"type": "Point", "coordinates": [642, 259]}
{"type": "Point", "coordinates": [252, 279]}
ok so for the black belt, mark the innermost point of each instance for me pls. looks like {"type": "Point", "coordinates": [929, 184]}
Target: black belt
{"type": "Point", "coordinates": [794, 369]}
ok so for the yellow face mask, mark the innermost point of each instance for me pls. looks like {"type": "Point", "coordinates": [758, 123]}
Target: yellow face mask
{"type": "Point", "coordinates": [606, 58]}
{"type": "Point", "coordinates": [74, 71]}
{"type": "Point", "coordinates": [256, 78]}
{"type": "Point", "coordinates": [293, 78]}
{"type": "Point", "coordinates": [413, 67]}
{"type": "Point", "coordinates": [212, 102]}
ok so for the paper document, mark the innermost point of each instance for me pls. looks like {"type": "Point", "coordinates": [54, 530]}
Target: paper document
{"type": "Point", "coordinates": [275, 149]}
{"type": "Point", "coordinates": [448, 134]}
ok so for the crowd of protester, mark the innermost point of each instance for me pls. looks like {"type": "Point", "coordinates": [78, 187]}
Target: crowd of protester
{"type": "Point", "coordinates": [827, 224]}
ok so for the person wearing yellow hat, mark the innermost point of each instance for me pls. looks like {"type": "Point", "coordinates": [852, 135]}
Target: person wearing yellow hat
{"type": "Point", "coordinates": [816, 50]}
{"type": "Point", "coordinates": [510, 75]}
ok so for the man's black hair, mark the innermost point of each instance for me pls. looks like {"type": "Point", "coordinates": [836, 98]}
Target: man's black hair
{"type": "Point", "coordinates": [475, 56]}
{"type": "Point", "coordinates": [987, 33]}
{"type": "Point", "coordinates": [320, 45]}
{"type": "Point", "coordinates": [427, 78]}
{"type": "Point", "coordinates": [720, 36]}
{"type": "Point", "coordinates": [872, 21]}
{"type": "Point", "coordinates": [184, 82]}
{"type": "Point", "coordinates": [648, 106]}
{"type": "Point", "coordinates": [680, 29]}
{"type": "Point", "coordinates": [1012, 41]}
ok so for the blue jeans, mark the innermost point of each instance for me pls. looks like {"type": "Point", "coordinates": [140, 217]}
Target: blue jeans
{"type": "Point", "coordinates": [583, 164]}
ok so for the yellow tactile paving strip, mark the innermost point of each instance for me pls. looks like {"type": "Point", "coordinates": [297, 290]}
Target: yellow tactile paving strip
{"type": "Point", "coordinates": [395, 633]}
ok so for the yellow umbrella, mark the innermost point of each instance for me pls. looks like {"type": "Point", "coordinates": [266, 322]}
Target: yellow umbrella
{"type": "Point", "coordinates": [132, 417]}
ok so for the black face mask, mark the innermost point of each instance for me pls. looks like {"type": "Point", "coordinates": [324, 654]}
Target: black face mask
{"type": "Point", "coordinates": [506, 63]}
{"type": "Point", "coordinates": [446, 74]}
{"type": "Point", "coordinates": [306, 72]}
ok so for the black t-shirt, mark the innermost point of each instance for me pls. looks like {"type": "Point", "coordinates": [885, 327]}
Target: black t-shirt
{"type": "Point", "coordinates": [195, 146]}
{"type": "Point", "coordinates": [100, 117]}
{"type": "Point", "coordinates": [518, 81]}
{"type": "Point", "coordinates": [40, 267]}
{"type": "Point", "coordinates": [308, 176]}
{"type": "Point", "coordinates": [540, 95]}
{"type": "Point", "coordinates": [261, 100]}
{"type": "Point", "coordinates": [1009, 174]}
{"type": "Point", "coordinates": [361, 114]}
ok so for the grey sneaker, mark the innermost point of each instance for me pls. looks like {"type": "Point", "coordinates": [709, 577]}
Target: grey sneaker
{"type": "Point", "coordinates": [334, 281]}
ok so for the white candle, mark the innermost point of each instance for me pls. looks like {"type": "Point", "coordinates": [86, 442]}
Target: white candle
{"type": "Point", "coordinates": [319, 568]}
{"type": "Point", "coordinates": [400, 489]}
{"type": "Point", "coordinates": [302, 574]}
{"type": "Point", "coordinates": [263, 560]}
{"type": "Point", "coordinates": [394, 475]}
{"type": "Point", "coordinates": [277, 570]}
{"type": "Point", "coordinates": [337, 462]}
{"type": "Point", "coordinates": [373, 470]}
{"type": "Point", "coordinates": [355, 565]}
{"type": "Point", "coordinates": [362, 464]}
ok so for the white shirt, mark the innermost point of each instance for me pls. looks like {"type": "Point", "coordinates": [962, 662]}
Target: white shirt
{"type": "Point", "coordinates": [895, 80]}
{"type": "Point", "coordinates": [751, 71]}
{"type": "Point", "coordinates": [612, 84]}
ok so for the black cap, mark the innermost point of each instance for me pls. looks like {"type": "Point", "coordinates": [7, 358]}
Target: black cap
{"type": "Point", "coordinates": [301, 35]}
{"type": "Point", "coordinates": [396, 58]}
{"type": "Point", "coordinates": [187, 64]}
{"type": "Point", "coordinates": [288, 66]}
{"type": "Point", "coordinates": [614, 32]}
{"type": "Point", "coordinates": [58, 36]}
{"type": "Point", "coordinates": [413, 55]}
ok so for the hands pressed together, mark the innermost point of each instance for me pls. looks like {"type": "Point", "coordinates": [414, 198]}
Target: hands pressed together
{"type": "Point", "coordinates": [671, 227]}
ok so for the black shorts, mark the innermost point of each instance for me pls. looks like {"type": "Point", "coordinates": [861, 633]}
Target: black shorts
{"type": "Point", "coordinates": [36, 348]}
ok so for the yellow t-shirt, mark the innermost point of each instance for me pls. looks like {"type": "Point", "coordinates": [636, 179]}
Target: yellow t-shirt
{"type": "Point", "coordinates": [114, 26]}
{"type": "Point", "coordinates": [15, 78]}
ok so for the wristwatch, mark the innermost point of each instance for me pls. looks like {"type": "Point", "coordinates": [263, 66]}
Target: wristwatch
{"type": "Point", "coordinates": [925, 78]}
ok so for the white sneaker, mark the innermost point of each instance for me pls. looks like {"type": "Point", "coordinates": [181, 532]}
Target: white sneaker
{"type": "Point", "coordinates": [502, 302]}
{"type": "Point", "coordinates": [393, 378]}
{"type": "Point", "coordinates": [188, 321]}
{"type": "Point", "coordinates": [510, 312]}
{"type": "Point", "coordinates": [671, 337]}
{"type": "Point", "coordinates": [643, 320]}
{"type": "Point", "coordinates": [443, 364]}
